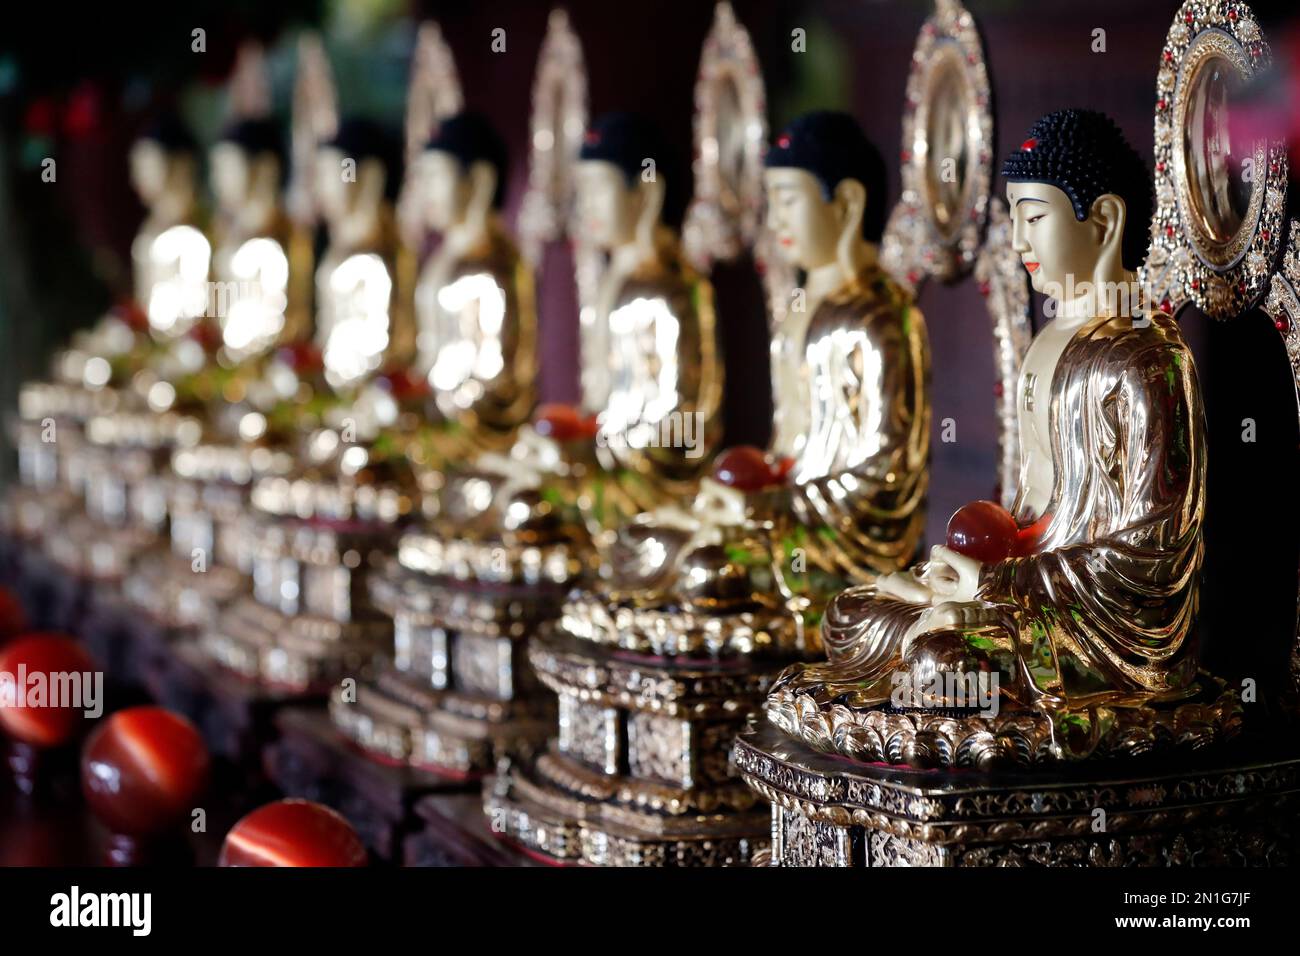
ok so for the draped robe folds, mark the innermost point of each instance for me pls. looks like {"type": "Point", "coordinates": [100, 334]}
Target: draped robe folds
{"type": "Point", "coordinates": [1100, 613]}
{"type": "Point", "coordinates": [860, 474]}
{"type": "Point", "coordinates": [662, 420]}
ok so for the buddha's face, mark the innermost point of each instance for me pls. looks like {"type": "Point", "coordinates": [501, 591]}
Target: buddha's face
{"type": "Point", "coordinates": [444, 189]}
{"type": "Point", "coordinates": [149, 168]}
{"type": "Point", "coordinates": [231, 176]}
{"type": "Point", "coordinates": [607, 207]}
{"type": "Point", "coordinates": [805, 224]}
{"type": "Point", "coordinates": [1051, 242]}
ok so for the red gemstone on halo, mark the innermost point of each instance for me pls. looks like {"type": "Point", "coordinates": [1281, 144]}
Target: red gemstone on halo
{"type": "Point", "coordinates": [1160, 166]}
{"type": "Point", "coordinates": [1232, 14]}
{"type": "Point", "coordinates": [1196, 284]}
{"type": "Point", "coordinates": [143, 769]}
{"type": "Point", "coordinates": [1168, 56]}
{"type": "Point", "coordinates": [37, 723]}
{"type": "Point", "coordinates": [292, 833]}
{"type": "Point", "coordinates": [1169, 231]}
{"type": "Point", "coordinates": [1188, 18]}
{"type": "Point", "coordinates": [982, 530]}
{"type": "Point", "coordinates": [1029, 144]}
{"type": "Point", "coordinates": [1281, 324]}
{"type": "Point", "coordinates": [1166, 306]}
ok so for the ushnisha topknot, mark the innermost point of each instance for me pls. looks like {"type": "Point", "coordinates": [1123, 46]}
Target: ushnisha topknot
{"type": "Point", "coordinates": [627, 140]}
{"type": "Point", "coordinates": [832, 147]}
{"type": "Point", "coordinates": [169, 131]}
{"type": "Point", "coordinates": [470, 138]}
{"type": "Point", "coordinates": [360, 138]}
{"type": "Point", "coordinates": [1084, 154]}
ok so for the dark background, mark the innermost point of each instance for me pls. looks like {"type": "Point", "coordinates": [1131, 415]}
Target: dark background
{"type": "Point", "coordinates": [76, 85]}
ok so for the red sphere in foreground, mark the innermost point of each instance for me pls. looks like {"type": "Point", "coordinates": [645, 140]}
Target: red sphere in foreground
{"type": "Point", "coordinates": [32, 670]}
{"type": "Point", "coordinates": [292, 833]}
{"type": "Point", "coordinates": [564, 422]}
{"type": "Point", "coordinates": [13, 619]}
{"type": "Point", "coordinates": [750, 469]}
{"type": "Point", "coordinates": [143, 770]}
{"type": "Point", "coordinates": [983, 530]}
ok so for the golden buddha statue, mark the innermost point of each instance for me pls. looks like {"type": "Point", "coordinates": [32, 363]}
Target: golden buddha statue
{"type": "Point", "coordinates": [1081, 603]}
{"type": "Point", "coordinates": [250, 261]}
{"type": "Point", "coordinates": [475, 316]}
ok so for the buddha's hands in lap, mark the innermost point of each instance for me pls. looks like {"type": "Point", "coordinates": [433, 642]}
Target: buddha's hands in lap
{"type": "Point", "coordinates": [948, 577]}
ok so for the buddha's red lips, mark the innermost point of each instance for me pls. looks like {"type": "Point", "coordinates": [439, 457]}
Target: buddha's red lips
{"type": "Point", "coordinates": [1032, 267]}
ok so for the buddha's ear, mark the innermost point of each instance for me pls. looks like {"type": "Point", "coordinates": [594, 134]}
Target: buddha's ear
{"type": "Point", "coordinates": [482, 187]}
{"type": "Point", "coordinates": [1109, 215]}
{"type": "Point", "coordinates": [851, 205]}
{"type": "Point", "coordinates": [370, 177]}
{"type": "Point", "coordinates": [651, 194]}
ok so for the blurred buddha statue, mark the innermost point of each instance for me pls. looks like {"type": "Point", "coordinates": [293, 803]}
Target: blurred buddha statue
{"type": "Point", "coordinates": [170, 253]}
{"type": "Point", "coordinates": [1083, 600]}
{"type": "Point", "coordinates": [356, 180]}
{"type": "Point", "coordinates": [840, 497]}
{"type": "Point", "coordinates": [475, 316]}
{"type": "Point", "coordinates": [658, 396]}
{"type": "Point", "coordinates": [250, 262]}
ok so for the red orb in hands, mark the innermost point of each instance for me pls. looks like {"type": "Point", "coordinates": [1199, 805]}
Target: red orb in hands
{"type": "Point", "coordinates": [983, 530]}
{"type": "Point", "coordinates": [404, 386]}
{"type": "Point", "coordinates": [747, 468]}
{"type": "Point", "coordinates": [143, 769]}
{"type": "Point", "coordinates": [293, 833]}
{"type": "Point", "coordinates": [13, 619]}
{"type": "Point", "coordinates": [32, 705]}
{"type": "Point", "coordinates": [564, 423]}
{"type": "Point", "coordinates": [302, 357]}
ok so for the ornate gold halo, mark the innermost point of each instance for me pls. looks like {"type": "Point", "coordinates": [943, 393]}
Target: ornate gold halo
{"type": "Point", "coordinates": [1283, 307]}
{"type": "Point", "coordinates": [725, 214]}
{"type": "Point", "coordinates": [558, 122]}
{"type": "Point", "coordinates": [315, 119]}
{"type": "Point", "coordinates": [434, 93]}
{"type": "Point", "coordinates": [1223, 275]}
{"type": "Point", "coordinates": [927, 234]}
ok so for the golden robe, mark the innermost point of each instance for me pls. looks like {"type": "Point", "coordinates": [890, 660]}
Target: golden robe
{"type": "Point", "coordinates": [1101, 611]}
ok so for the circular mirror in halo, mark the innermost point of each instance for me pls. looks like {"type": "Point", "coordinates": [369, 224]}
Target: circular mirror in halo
{"type": "Point", "coordinates": [1219, 193]}
{"type": "Point", "coordinates": [947, 153]}
{"type": "Point", "coordinates": [943, 116]}
{"type": "Point", "coordinates": [1219, 199]}
{"type": "Point", "coordinates": [725, 214]}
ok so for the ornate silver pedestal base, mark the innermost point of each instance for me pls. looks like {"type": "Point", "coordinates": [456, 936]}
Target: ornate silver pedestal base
{"type": "Point", "coordinates": [638, 774]}
{"type": "Point", "coordinates": [831, 811]}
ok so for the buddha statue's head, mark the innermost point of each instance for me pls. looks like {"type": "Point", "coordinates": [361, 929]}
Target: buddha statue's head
{"type": "Point", "coordinates": [825, 185]}
{"type": "Point", "coordinates": [460, 176]}
{"type": "Point", "coordinates": [247, 165]}
{"type": "Point", "coordinates": [626, 183]}
{"type": "Point", "coordinates": [357, 172]}
{"type": "Point", "coordinates": [162, 161]}
{"type": "Point", "coordinates": [1080, 201]}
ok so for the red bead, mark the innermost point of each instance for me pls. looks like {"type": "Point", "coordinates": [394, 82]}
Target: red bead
{"type": "Point", "coordinates": [1196, 284]}
{"type": "Point", "coordinates": [404, 386]}
{"type": "Point", "coordinates": [1029, 144]}
{"type": "Point", "coordinates": [1232, 14]}
{"type": "Point", "coordinates": [32, 663]}
{"type": "Point", "coordinates": [982, 530]}
{"type": "Point", "coordinates": [1169, 231]}
{"type": "Point", "coordinates": [301, 357]}
{"type": "Point", "coordinates": [1160, 104]}
{"type": "Point", "coordinates": [746, 468]}
{"type": "Point", "coordinates": [1281, 324]}
{"type": "Point", "coordinates": [1188, 18]}
{"type": "Point", "coordinates": [564, 422]}
{"type": "Point", "coordinates": [13, 619]}
{"type": "Point", "coordinates": [1168, 56]}
{"type": "Point", "coordinates": [1166, 306]}
{"type": "Point", "coordinates": [143, 770]}
{"type": "Point", "coordinates": [292, 833]}
{"type": "Point", "coordinates": [1160, 166]}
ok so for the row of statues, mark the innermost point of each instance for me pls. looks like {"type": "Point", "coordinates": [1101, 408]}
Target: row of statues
{"type": "Point", "coordinates": [423, 543]}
